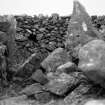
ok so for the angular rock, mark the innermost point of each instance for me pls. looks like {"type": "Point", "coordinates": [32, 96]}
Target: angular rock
{"type": "Point", "coordinates": [32, 63]}
{"type": "Point", "coordinates": [8, 26]}
{"type": "Point", "coordinates": [92, 61]}
{"type": "Point", "coordinates": [3, 64]}
{"type": "Point", "coordinates": [43, 97]}
{"type": "Point", "coordinates": [11, 45]}
{"type": "Point", "coordinates": [80, 28]}
{"type": "Point", "coordinates": [58, 57]}
{"type": "Point", "coordinates": [20, 37]}
{"type": "Point", "coordinates": [62, 83]}
{"type": "Point", "coordinates": [78, 96]}
{"type": "Point", "coordinates": [67, 67]}
{"type": "Point", "coordinates": [32, 89]}
{"type": "Point", "coordinates": [39, 77]}
{"type": "Point", "coordinates": [95, 102]}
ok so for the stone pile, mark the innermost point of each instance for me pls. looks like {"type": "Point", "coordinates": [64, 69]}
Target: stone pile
{"type": "Point", "coordinates": [37, 67]}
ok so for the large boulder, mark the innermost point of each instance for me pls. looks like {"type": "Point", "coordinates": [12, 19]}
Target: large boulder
{"type": "Point", "coordinates": [92, 61]}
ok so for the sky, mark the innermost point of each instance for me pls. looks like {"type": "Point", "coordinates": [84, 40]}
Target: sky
{"type": "Point", "coordinates": [47, 7]}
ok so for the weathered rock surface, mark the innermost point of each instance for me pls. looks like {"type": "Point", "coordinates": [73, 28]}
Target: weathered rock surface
{"type": "Point", "coordinates": [20, 100]}
{"type": "Point", "coordinates": [95, 102]}
{"type": "Point", "coordinates": [80, 28]}
{"type": "Point", "coordinates": [78, 96]}
{"type": "Point", "coordinates": [58, 57]}
{"type": "Point", "coordinates": [62, 83]}
{"type": "Point", "coordinates": [92, 61]}
{"type": "Point", "coordinates": [32, 89]}
{"type": "Point", "coordinates": [30, 65]}
{"type": "Point", "coordinates": [43, 97]}
{"type": "Point", "coordinates": [67, 67]}
{"type": "Point", "coordinates": [39, 77]}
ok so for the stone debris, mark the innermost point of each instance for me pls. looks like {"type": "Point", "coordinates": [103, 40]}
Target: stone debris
{"type": "Point", "coordinates": [58, 57]}
{"type": "Point", "coordinates": [91, 61]}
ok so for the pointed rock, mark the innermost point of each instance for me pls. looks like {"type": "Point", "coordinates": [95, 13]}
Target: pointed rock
{"type": "Point", "coordinates": [80, 28]}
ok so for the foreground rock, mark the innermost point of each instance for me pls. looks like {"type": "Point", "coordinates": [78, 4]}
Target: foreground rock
{"type": "Point", "coordinates": [58, 57]}
{"type": "Point", "coordinates": [62, 83]}
{"type": "Point", "coordinates": [92, 61]}
{"type": "Point", "coordinates": [38, 92]}
{"type": "Point", "coordinates": [30, 65]}
{"type": "Point", "coordinates": [43, 97]}
{"type": "Point", "coordinates": [20, 100]}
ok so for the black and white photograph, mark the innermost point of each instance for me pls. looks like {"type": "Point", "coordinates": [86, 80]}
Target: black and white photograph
{"type": "Point", "coordinates": [52, 52]}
